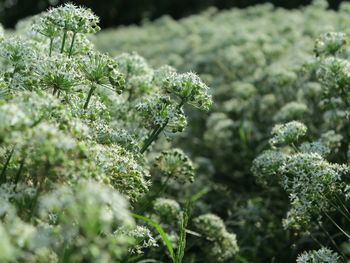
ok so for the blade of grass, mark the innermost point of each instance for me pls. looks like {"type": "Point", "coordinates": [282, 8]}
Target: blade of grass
{"type": "Point", "coordinates": [161, 233]}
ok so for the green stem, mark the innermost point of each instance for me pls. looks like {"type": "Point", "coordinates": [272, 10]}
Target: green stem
{"type": "Point", "coordinates": [342, 203]}
{"type": "Point", "coordinates": [40, 182]}
{"type": "Point", "coordinates": [20, 170]}
{"type": "Point", "coordinates": [341, 230]}
{"type": "Point", "coordinates": [54, 91]}
{"type": "Point", "coordinates": [63, 41]}
{"type": "Point", "coordinates": [91, 91]}
{"type": "Point", "coordinates": [3, 172]}
{"type": "Point", "coordinates": [154, 135]}
{"type": "Point", "coordinates": [294, 147]}
{"type": "Point", "coordinates": [71, 45]}
{"type": "Point", "coordinates": [331, 239]}
{"type": "Point", "coordinates": [150, 139]}
{"type": "Point", "coordinates": [51, 45]}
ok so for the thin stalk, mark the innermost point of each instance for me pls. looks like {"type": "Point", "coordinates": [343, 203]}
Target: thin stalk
{"type": "Point", "coordinates": [71, 45]}
{"type": "Point", "coordinates": [342, 203]}
{"type": "Point", "coordinates": [182, 240]}
{"type": "Point", "coordinates": [184, 222]}
{"type": "Point", "coordinates": [18, 175]}
{"type": "Point", "coordinates": [20, 170]}
{"type": "Point", "coordinates": [163, 186]}
{"type": "Point", "coordinates": [152, 197]}
{"type": "Point", "coordinates": [151, 138]}
{"type": "Point", "coordinates": [294, 147]}
{"type": "Point", "coordinates": [91, 91]}
{"type": "Point", "coordinates": [51, 46]}
{"type": "Point", "coordinates": [54, 91]}
{"type": "Point", "coordinates": [63, 41]}
{"type": "Point", "coordinates": [335, 224]}
{"type": "Point", "coordinates": [154, 135]}
{"type": "Point", "coordinates": [334, 204]}
{"type": "Point", "coordinates": [332, 240]}
{"type": "Point", "coordinates": [3, 172]}
{"type": "Point", "coordinates": [339, 210]}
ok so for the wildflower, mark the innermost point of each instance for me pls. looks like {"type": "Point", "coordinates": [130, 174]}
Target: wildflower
{"type": "Point", "coordinates": [168, 209]}
{"type": "Point", "coordinates": [101, 70]}
{"type": "Point", "coordinates": [211, 225]}
{"type": "Point", "coordinates": [122, 170]}
{"type": "Point", "coordinates": [138, 74]}
{"type": "Point", "coordinates": [176, 164]}
{"type": "Point", "coordinates": [69, 17]}
{"type": "Point", "coordinates": [161, 112]}
{"type": "Point", "coordinates": [287, 133]}
{"type": "Point", "coordinates": [311, 182]}
{"type": "Point", "coordinates": [58, 73]}
{"type": "Point", "coordinates": [142, 236]}
{"type": "Point", "coordinates": [189, 88]}
{"type": "Point", "coordinates": [323, 255]}
{"type": "Point", "coordinates": [315, 147]}
{"type": "Point", "coordinates": [87, 216]}
{"type": "Point", "coordinates": [223, 245]}
{"type": "Point", "coordinates": [291, 111]}
{"type": "Point", "coordinates": [330, 43]}
{"type": "Point", "coordinates": [12, 118]}
{"type": "Point", "coordinates": [266, 166]}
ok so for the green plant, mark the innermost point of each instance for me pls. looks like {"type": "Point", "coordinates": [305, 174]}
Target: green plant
{"type": "Point", "coordinates": [73, 123]}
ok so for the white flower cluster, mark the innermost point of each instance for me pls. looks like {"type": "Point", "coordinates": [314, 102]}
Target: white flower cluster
{"type": "Point", "coordinates": [330, 43]}
{"type": "Point", "coordinates": [310, 180]}
{"type": "Point", "coordinates": [82, 214]}
{"type": "Point", "coordinates": [69, 17]}
{"type": "Point", "coordinates": [190, 89]}
{"type": "Point", "coordinates": [161, 112]}
{"type": "Point", "coordinates": [176, 164]}
{"type": "Point", "coordinates": [323, 255]}
{"type": "Point", "coordinates": [287, 133]}
{"type": "Point", "coordinates": [168, 209]}
{"type": "Point", "coordinates": [142, 236]}
{"type": "Point", "coordinates": [70, 155]}
{"type": "Point", "coordinates": [223, 245]}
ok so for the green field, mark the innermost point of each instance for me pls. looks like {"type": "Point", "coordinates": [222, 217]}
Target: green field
{"type": "Point", "coordinates": [220, 137]}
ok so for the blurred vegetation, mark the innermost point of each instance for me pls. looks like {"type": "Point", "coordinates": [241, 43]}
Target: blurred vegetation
{"type": "Point", "coordinates": [116, 12]}
{"type": "Point", "coordinates": [262, 67]}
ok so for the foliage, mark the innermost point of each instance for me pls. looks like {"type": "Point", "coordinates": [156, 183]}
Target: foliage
{"type": "Point", "coordinates": [275, 145]}
{"type": "Point", "coordinates": [77, 135]}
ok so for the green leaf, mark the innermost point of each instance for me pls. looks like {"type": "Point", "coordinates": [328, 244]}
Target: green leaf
{"type": "Point", "coordinates": [160, 231]}
{"type": "Point", "coordinates": [199, 195]}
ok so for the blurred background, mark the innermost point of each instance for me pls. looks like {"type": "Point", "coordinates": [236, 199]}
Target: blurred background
{"type": "Point", "coordinates": [124, 12]}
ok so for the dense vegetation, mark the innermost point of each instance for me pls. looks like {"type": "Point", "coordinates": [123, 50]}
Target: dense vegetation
{"type": "Point", "coordinates": [275, 143]}
{"type": "Point", "coordinates": [106, 156]}
{"type": "Point", "coordinates": [116, 12]}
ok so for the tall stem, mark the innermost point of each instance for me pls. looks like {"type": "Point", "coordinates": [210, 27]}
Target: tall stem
{"type": "Point", "coordinates": [71, 45]}
{"type": "Point", "coordinates": [63, 41]}
{"type": "Point", "coordinates": [51, 45]}
{"type": "Point", "coordinates": [18, 175]}
{"type": "Point", "coordinates": [334, 223]}
{"type": "Point", "coordinates": [54, 91]}
{"type": "Point", "coordinates": [3, 172]}
{"type": "Point", "coordinates": [91, 91]}
{"type": "Point", "coordinates": [150, 139]}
